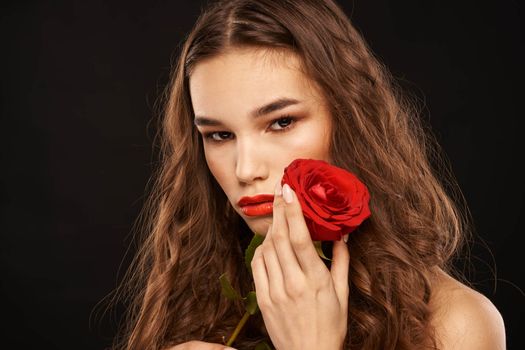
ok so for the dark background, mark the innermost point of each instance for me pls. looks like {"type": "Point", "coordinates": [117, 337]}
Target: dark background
{"type": "Point", "coordinates": [79, 83]}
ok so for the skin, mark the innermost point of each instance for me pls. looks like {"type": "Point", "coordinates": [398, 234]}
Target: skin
{"type": "Point", "coordinates": [304, 305]}
{"type": "Point", "coordinates": [253, 153]}
{"type": "Point", "coordinates": [464, 318]}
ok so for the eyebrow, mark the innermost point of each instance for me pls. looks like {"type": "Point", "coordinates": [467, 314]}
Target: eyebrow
{"type": "Point", "coordinates": [258, 112]}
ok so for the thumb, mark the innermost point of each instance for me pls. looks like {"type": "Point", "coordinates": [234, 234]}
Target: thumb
{"type": "Point", "coordinates": [339, 270]}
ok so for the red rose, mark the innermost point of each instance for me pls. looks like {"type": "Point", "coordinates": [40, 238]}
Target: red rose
{"type": "Point", "coordinates": [333, 200]}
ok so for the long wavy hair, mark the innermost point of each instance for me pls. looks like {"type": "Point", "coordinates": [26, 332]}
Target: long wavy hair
{"type": "Point", "coordinates": [191, 234]}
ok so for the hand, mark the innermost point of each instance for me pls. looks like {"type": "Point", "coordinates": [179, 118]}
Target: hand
{"type": "Point", "coordinates": [199, 345]}
{"type": "Point", "coordinates": [304, 305]}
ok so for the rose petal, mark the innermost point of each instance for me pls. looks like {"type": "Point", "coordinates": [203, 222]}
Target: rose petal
{"type": "Point", "coordinates": [315, 208]}
{"type": "Point", "coordinates": [319, 191]}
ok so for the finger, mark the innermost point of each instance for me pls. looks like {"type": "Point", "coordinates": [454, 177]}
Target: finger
{"type": "Point", "coordinates": [281, 239]}
{"type": "Point", "coordinates": [273, 267]}
{"type": "Point", "coordinates": [300, 238]}
{"type": "Point", "coordinates": [339, 270]}
{"type": "Point", "coordinates": [260, 277]}
{"type": "Point", "coordinates": [199, 345]}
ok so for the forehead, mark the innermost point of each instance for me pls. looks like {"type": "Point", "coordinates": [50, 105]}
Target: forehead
{"type": "Point", "coordinates": [243, 78]}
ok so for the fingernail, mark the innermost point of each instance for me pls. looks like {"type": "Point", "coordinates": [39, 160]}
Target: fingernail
{"type": "Point", "coordinates": [287, 194]}
{"type": "Point", "coordinates": [228, 348]}
{"type": "Point", "coordinates": [345, 238]}
{"type": "Point", "coordinates": [278, 190]}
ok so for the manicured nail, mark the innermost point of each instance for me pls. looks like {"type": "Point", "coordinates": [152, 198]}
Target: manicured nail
{"type": "Point", "coordinates": [228, 348]}
{"type": "Point", "coordinates": [345, 238]}
{"type": "Point", "coordinates": [287, 194]}
{"type": "Point", "coordinates": [278, 189]}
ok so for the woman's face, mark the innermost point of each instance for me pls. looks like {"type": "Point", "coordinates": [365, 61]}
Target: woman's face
{"type": "Point", "coordinates": [256, 113]}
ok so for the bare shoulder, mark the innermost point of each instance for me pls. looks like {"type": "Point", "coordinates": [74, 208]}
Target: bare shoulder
{"type": "Point", "coordinates": [464, 318]}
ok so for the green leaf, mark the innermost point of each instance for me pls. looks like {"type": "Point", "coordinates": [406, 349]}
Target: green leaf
{"type": "Point", "coordinates": [227, 289]}
{"type": "Point", "coordinates": [248, 254]}
{"type": "Point", "coordinates": [250, 303]}
{"type": "Point", "coordinates": [263, 346]}
{"type": "Point", "coordinates": [319, 248]}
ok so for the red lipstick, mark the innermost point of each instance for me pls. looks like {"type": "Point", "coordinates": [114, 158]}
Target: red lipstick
{"type": "Point", "coordinates": [258, 205]}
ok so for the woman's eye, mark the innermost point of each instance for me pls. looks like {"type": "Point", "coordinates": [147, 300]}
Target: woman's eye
{"type": "Point", "coordinates": [218, 134]}
{"type": "Point", "coordinates": [286, 120]}
{"type": "Point", "coordinates": [283, 123]}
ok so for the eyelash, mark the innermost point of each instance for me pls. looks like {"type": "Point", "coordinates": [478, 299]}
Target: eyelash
{"type": "Point", "coordinates": [209, 135]}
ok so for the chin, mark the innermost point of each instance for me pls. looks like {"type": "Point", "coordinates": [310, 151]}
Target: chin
{"type": "Point", "coordinates": [259, 225]}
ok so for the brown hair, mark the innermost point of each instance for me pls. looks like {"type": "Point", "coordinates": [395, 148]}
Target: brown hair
{"type": "Point", "coordinates": [192, 234]}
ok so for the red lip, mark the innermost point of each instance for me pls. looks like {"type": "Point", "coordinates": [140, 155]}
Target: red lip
{"type": "Point", "coordinates": [260, 198]}
{"type": "Point", "coordinates": [259, 209]}
{"type": "Point", "coordinates": [259, 205]}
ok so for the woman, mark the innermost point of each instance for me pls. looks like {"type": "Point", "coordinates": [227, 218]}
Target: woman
{"type": "Point", "coordinates": [257, 85]}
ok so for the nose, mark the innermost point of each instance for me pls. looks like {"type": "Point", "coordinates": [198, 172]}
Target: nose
{"type": "Point", "coordinates": [251, 162]}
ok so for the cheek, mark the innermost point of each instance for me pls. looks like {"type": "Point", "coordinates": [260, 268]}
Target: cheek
{"type": "Point", "coordinates": [312, 142]}
{"type": "Point", "coordinates": [215, 165]}
{"type": "Point", "coordinates": [219, 167]}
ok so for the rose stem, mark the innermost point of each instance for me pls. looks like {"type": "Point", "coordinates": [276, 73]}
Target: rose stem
{"type": "Point", "coordinates": [238, 328]}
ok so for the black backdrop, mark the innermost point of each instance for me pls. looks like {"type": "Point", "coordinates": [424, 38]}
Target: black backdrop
{"type": "Point", "coordinates": [79, 82]}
